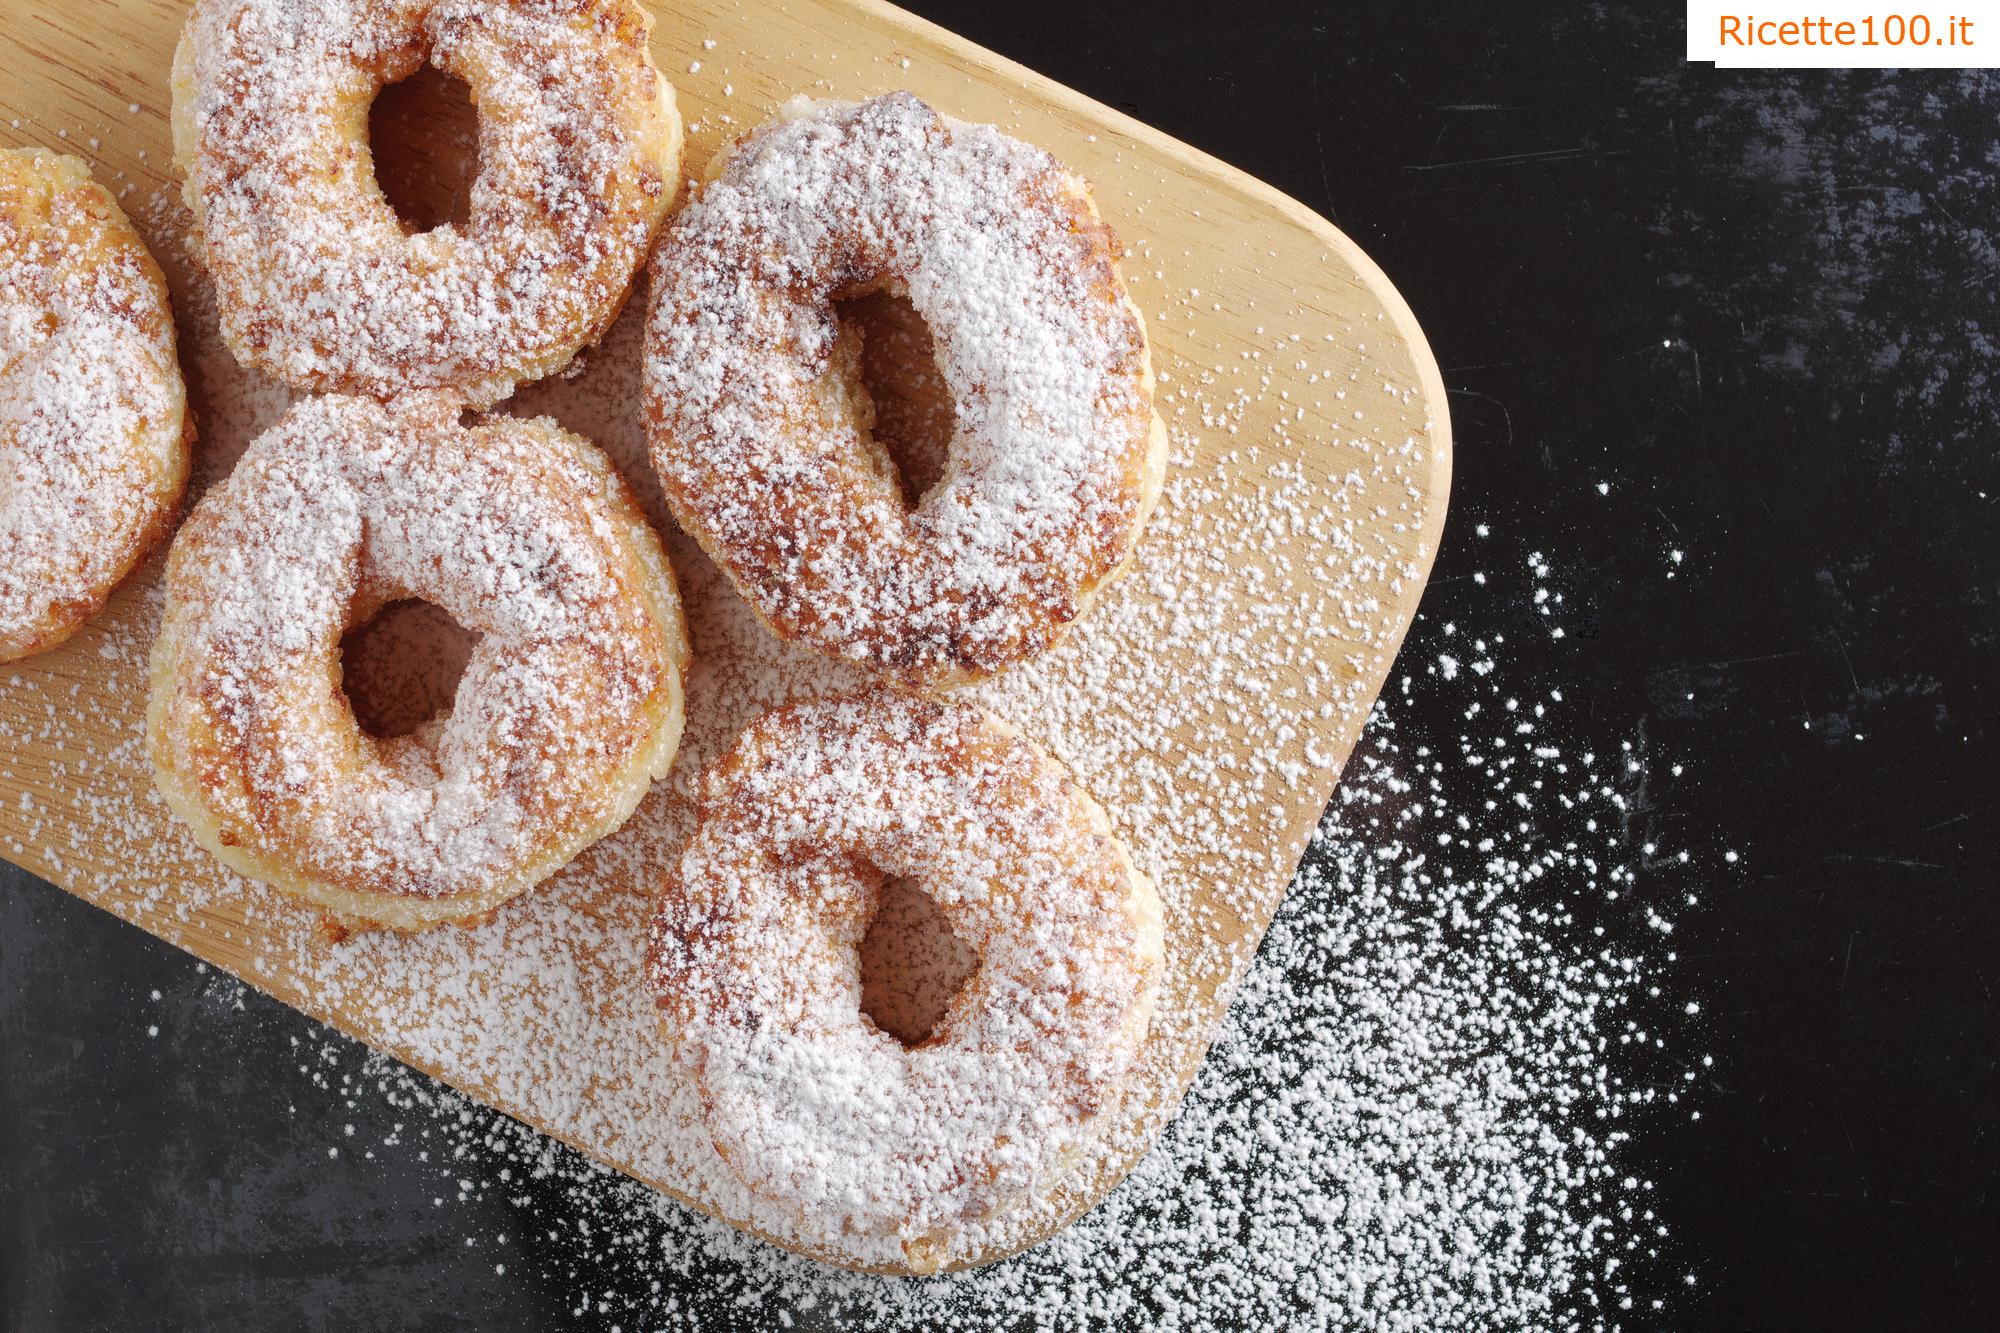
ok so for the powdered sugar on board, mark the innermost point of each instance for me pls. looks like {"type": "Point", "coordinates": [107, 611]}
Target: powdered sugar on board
{"type": "Point", "coordinates": [1206, 702]}
{"type": "Point", "coordinates": [1428, 1108]}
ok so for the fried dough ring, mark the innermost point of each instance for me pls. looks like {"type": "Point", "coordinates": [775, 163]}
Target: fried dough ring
{"type": "Point", "coordinates": [317, 281]}
{"type": "Point", "coordinates": [763, 436]}
{"type": "Point", "coordinates": [754, 963]}
{"type": "Point", "coordinates": [569, 707]}
{"type": "Point", "coordinates": [94, 425]}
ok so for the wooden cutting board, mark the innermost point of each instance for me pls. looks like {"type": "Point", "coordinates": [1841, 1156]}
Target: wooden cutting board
{"type": "Point", "coordinates": [1209, 701]}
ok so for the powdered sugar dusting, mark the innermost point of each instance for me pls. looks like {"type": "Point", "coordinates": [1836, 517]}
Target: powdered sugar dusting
{"type": "Point", "coordinates": [512, 528]}
{"type": "Point", "coordinates": [1203, 701]}
{"type": "Point", "coordinates": [756, 964]}
{"type": "Point", "coordinates": [320, 285]}
{"type": "Point", "coordinates": [91, 405]}
{"type": "Point", "coordinates": [767, 457]}
{"type": "Point", "coordinates": [1420, 1114]}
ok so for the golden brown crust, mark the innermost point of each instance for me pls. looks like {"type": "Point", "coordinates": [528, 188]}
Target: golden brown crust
{"type": "Point", "coordinates": [94, 423]}
{"type": "Point", "coordinates": [764, 440]}
{"type": "Point", "coordinates": [316, 280]}
{"type": "Point", "coordinates": [753, 962]}
{"type": "Point", "coordinates": [570, 707]}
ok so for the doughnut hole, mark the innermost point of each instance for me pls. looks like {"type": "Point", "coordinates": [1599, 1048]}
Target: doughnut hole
{"type": "Point", "coordinates": [912, 964]}
{"type": "Point", "coordinates": [424, 135]}
{"type": "Point", "coordinates": [913, 409]}
{"type": "Point", "coordinates": [400, 668]}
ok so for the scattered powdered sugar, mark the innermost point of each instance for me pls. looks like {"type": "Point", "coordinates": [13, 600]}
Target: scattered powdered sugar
{"type": "Point", "coordinates": [1264, 601]}
{"type": "Point", "coordinates": [1416, 1115]}
{"type": "Point", "coordinates": [320, 285]}
{"type": "Point", "coordinates": [1420, 1113]}
{"type": "Point", "coordinates": [91, 406]}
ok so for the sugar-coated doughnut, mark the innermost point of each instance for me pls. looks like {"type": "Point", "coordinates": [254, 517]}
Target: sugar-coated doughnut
{"type": "Point", "coordinates": [94, 426]}
{"type": "Point", "coordinates": [569, 707]}
{"type": "Point", "coordinates": [763, 437]}
{"type": "Point", "coordinates": [317, 281]}
{"type": "Point", "coordinates": [754, 966]}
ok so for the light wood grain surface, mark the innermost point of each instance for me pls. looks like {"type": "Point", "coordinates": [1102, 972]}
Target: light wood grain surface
{"type": "Point", "coordinates": [1256, 307]}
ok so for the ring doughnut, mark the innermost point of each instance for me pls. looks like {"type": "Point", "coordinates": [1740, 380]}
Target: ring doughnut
{"type": "Point", "coordinates": [569, 707]}
{"type": "Point", "coordinates": [763, 437]}
{"type": "Point", "coordinates": [754, 966]}
{"type": "Point", "coordinates": [94, 426]}
{"type": "Point", "coordinates": [317, 281]}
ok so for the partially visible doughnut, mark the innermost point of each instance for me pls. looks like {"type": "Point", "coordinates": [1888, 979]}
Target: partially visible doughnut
{"type": "Point", "coordinates": [763, 437]}
{"type": "Point", "coordinates": [754, 964]}
{"type": "Point", "coordinates": [569, 707]}
{"type": "Point", "coordinates": [317, 281]}
{"type": "Point", "coordinates": [94, 425]}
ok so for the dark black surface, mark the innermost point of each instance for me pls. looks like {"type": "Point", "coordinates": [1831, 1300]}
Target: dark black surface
{"type": "Point", "coordinates": [1759, 306]}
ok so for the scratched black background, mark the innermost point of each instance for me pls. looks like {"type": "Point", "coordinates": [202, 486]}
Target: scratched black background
{"type": "Point", "coordinates": [1760, 306]}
